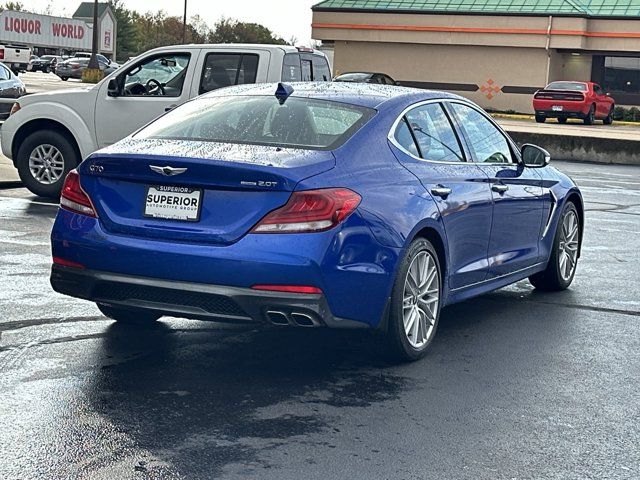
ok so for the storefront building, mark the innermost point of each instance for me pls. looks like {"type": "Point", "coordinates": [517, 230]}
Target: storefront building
{"type": "Point", "coordinates": [46, 34]}
{"type": "Point", "coordinates": [495, 53]}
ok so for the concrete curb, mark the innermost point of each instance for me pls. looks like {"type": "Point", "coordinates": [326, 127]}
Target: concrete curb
{"type": "Point", "coordinates": [583, 149]}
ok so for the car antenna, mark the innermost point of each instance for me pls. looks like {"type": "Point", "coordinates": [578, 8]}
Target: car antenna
{"type": "Point", "coordinates": [283, 91]}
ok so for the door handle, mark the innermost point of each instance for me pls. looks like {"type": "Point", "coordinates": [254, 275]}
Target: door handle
{"type": "Point", "coordinates": [440, 191]}
{"type": "Point", "coordinates": [499, 187]}
{"type": "Point", "coordinates": [170, 107]}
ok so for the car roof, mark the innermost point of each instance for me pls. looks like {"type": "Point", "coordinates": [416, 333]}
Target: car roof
{"type": "Point", "coordinates": [362, 94]}
{"type": "Point", "coordinates": [240, 46]}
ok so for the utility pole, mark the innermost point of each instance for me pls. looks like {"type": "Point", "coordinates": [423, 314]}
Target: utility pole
{"type": "Point", "coordinates": [184, 23]}
{"type": "Point", "coordinates": [93, 61]}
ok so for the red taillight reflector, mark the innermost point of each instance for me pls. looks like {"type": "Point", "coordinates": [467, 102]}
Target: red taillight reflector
{"type": "Point", "coordinates": [310, 211]}
{"type": "Point", "coordinates": [1, 53]}
{"type": "Point", "coordinates": [289, 288]}
{"type": "Point", "coordinates": [73, 198]}
{"type": "Point", "coordinates": [67, 263]}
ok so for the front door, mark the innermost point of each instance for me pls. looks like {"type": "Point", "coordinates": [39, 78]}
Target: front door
{"type": "Point", "coordinates": [427, 145]}
{"type": "Point", "coordinates": [147, 89]}
{"type": "Point", "coordinates": [517, 193]}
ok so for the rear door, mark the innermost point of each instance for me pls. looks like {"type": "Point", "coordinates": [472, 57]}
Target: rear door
{"type": "Point", "coordinates": [425, 143]}
{"type": "Point", "coordinates": [224, 68]}
{"type": "Point", "coordinates": [516, 191]}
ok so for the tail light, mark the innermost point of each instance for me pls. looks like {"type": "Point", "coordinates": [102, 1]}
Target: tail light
{"type": "Point", "coordinates": [310, 211]}
{"type": "Point", "coordinates": [289, 289]}
{"type": "Point", "coordinates": [73, 198]}
{"type": "Point", "coordinates": [14, 108]}
{"type": "Point", "coordinates": [1, 53]}
{"type": "Point", "coordinates": [74, 66]}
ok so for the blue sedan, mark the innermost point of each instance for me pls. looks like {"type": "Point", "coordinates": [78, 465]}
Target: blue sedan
{"type": "Point", "coordinates": [308, 205]}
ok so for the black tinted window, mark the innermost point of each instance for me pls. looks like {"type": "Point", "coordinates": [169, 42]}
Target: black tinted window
{"type": "Point", "coordinates": [226, 69]}
{"type": "Point", "coordinates": [435, 136]}
{"type": "Point", "coordinates": [291, 68]}
{"type": "Point", "coordinates": [321, 72]}
{"type": "Point", "coordinates": [485, 140]}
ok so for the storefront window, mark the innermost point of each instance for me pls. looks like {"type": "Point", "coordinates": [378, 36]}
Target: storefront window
{"type": "Point", "coordinates": [622, 74]}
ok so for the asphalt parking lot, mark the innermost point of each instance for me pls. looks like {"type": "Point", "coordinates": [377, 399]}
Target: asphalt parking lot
{"type": "Point", "coordinates": [38, 82]}
{"type": "Point", "coordinates": [518, 384]}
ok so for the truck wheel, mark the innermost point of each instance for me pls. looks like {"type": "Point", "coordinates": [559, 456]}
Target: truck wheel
{"type": "Point", "coordinates": [591, 116]}
{"type": "Point", "coordinates": [562, 119]}
{"type": "Point", "coordinates": [44, 159]}
{"type": "Point", "coordinates": [608, 120]}
{"type": "Point", "coordinates": [540, 118]}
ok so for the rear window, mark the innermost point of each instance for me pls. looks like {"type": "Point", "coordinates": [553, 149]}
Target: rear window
{"type": "Point", "coordinates": [579, 87]}
{"type": "Point", "coordinates": [262, 120]}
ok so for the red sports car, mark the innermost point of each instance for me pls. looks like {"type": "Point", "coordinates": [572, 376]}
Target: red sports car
{"type": "Point", "coordinates": [562, 100]}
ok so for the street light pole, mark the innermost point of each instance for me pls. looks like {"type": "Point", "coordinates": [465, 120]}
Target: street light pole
{"type": "Point", "coordinates": [184, 23]}
{"type": "Point", "coordinates": [93, 61]}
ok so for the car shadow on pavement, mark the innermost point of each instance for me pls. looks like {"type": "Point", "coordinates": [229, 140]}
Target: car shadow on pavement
{"type": "Point", "coordinates": [193, 400]}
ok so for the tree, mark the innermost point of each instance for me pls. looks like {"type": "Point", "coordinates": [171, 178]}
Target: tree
{"type": "Point", "coordinates": [126, 34]}
{"type": "Point", "coordinates": [232, 31]}
{"type": "Point", "coordinates": [15, 6]}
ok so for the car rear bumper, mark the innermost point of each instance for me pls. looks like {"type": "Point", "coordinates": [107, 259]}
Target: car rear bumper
{"type": "Point", "coordinates": [569, 109]}
{"type": "Point", "coordinates": [196, 300]}
{"type": "Point", "coordinates": [564, 114]}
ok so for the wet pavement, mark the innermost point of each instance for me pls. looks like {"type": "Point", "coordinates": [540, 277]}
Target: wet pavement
{"type": "Point", "coordinates": [518, 384]}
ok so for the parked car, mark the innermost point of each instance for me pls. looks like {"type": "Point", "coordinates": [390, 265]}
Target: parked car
{"type": "Point", "coordinates": [101, 57]}
{"type": "Point", "coordinates": [45, 64]}
{"type": "Point", "coordinates": [365, 77]}
{"type": "Point", "coordinates": [10, 87]}
{"type": "Point", "coordinates": [74, 67]}
{"type": "Point", "coordinates": [15, 57]}
{"type": "Point", "coordinates": [78, 122]}
{"type": "Point", "coordinates": [259, 205]}
{"type": "Point", "coordinates": [564, 100]}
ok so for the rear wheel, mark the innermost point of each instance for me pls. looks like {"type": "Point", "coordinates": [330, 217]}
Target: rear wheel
{"type": "Point", "coordinates": [44, 159]}
{"type": "Point", "coordinates": [64, 79]}
{"type": "Point", "coordinates": [562, 119]}
{"type": "Point", "coordinates": [609, 118]}
{"type": "Point", "coordinates": [591, 116]}
{"type": "Point", "coordinates": [564, 256]}
{"type": "Point", "coordinates": [415, 302]}
{"type": "Point", "coordinates": [125, 315]}
{"type": "Point", "coordinates": [540, 118]}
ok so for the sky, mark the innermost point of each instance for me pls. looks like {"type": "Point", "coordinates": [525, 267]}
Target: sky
{"type": "Point", "coordinates": [286, 18]}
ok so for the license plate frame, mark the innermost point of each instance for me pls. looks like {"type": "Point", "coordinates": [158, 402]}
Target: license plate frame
{"type": "Point", "coordinates": [557, 108]}
{"type": "Point", "coordinates": [155, 211]}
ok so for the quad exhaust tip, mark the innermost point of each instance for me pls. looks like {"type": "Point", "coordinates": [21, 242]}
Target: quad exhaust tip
{"type": "Point", "coordinates": [297, 319]}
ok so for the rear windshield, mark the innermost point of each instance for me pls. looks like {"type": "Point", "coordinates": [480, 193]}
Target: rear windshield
{"type": "Point", "coordinates": [580, 87]}
{"type": "Point", "coordinates": [354, 77]}
{"type": "Point", "coordinates": [262, 120]}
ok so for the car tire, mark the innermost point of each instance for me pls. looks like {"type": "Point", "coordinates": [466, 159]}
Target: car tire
{"type": "Point", "coordinates": [540, 118]}
{"type": "Point", "coordinates": [557, 276]}
{"type": "Point", "coordinates": [591, 116]}
{"type": "Point", "coordinates": [64, 79]}
{"type": "Point", "coordinates": [130, 316]}
{"type": "Point", "coordinates": [36, 151]}
{"type": "Point", "coordinates": [608, 120]}
{"type": "Point", "coordinates": [413, 316]}
{"type": "Point", "coordinates": [562, 120]}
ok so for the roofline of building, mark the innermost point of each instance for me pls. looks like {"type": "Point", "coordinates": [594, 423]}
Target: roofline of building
{"type": "Point", "coordinates": [317, 8]}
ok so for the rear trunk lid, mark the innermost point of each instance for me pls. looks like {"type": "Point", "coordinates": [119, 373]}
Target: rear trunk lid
{"type": "Point", "coordinates": [566, 95]}
{"type": "Point", "coordinates": [135, 184]}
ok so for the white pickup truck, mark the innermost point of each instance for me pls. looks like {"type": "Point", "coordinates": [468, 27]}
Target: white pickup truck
{"type": "Point", "coordinates": [48, 134]}
{"type": "Point", "coordinates": [15, 57]}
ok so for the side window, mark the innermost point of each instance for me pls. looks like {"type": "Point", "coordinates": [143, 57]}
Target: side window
{"type": "Point", "coordinates": [435, 136]}
{"type": "Point", "coordinates": [598, 89]}
{"type": "Point", "coordinates": [226, 69]}
{"type": "Point", "coordinates": [321, 72]}
{"type": "Point", "coordinates": [156, 76]}
{"type": "Point", "coordinates": [405, 139]}
{"type": "Point", "coordinates": [4, 73]}
{"type": "Point", "coordinates": [486, 141]}
{"type": "Point", "coordinates": [291, 71]}
{"type": "Point", "coordinates": [389, 80]}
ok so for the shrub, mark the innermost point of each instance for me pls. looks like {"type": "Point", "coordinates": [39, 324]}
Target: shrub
{"type": "Point", "coordinates": [92, 75]}
{"type": "Point", "coordinates": [618, 113]}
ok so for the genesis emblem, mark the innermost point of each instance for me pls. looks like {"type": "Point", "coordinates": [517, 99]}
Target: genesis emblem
{"type": "Point", "coordinates": [167, 171]}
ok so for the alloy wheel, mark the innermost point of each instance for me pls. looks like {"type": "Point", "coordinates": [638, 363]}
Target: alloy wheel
{"type": "Point", "coordinates": [568, 246]}
{"type": "Point", "coordinates": [420, 299]}
{"type": "Point", "coordinates": [46, 164]}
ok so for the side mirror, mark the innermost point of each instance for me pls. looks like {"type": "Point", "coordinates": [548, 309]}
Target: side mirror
{"type": "Point", "coordinates": [534, 156]}
{"type": "Point", "coordinates": [398, 83]}
{"type": "Point", "coordinates": [112, 88]}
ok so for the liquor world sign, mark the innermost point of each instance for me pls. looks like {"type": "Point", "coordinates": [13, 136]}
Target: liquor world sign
{"type": "Point", "coordinates": [44, 30]}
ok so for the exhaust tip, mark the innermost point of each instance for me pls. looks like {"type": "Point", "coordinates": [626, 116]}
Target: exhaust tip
{"type": "Point", "coordinates": [277, 318]}
{"type": "Point", "coordinates": [303, 320]}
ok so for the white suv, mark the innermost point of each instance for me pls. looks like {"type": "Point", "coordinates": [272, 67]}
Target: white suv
{"type": "Point", "coordinates": [48, 134]}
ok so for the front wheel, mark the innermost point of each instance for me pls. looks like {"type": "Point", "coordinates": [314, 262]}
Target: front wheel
{"type": "Point", "coordinates": [609, 118]}
{"type": "Point", "coordinates": [564, 256]}
{"type": "Point", "coordinates": [415, 302]}
{"type": "Point", "coordinates": [43, 161]}
{"type": "Point", "coordinates": [125, 315]}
